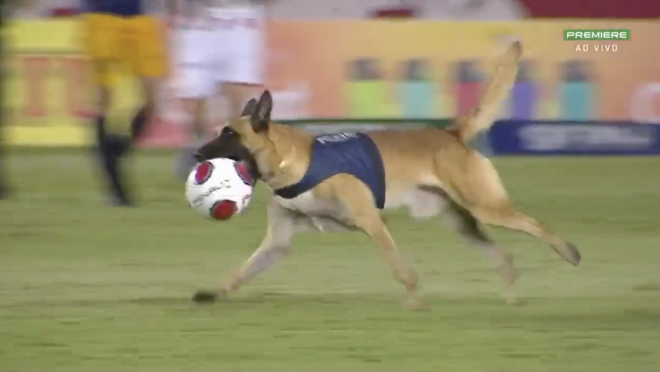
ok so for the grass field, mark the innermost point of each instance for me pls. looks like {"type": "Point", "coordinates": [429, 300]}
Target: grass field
{"type": "Point", "coordinates": [84, 287]}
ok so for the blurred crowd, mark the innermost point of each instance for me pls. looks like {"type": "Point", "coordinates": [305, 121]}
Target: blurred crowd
{"type": "Point", "coordinates": [474, 10]}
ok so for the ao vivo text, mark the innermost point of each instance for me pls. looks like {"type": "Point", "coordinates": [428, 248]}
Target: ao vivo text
{"type": "Point", "coordinates": [596, 48]}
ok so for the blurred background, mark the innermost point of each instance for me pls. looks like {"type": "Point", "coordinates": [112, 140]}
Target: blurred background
{"type": "Point", "coordinates": [373, 59]}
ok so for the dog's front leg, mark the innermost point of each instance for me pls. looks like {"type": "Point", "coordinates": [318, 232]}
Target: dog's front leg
{"type": "Point", "coordinates": [365, 216]}
{"type": "Point", "coordinates": [269, 252]}
{"type": "Point", "coordinates": [275, 245]}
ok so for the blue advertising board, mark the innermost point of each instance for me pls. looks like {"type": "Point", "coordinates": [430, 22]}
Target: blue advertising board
{"type": "Point", "coordinates": [524, 137]}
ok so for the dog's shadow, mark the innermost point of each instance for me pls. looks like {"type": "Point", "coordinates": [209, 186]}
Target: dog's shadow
{"type": "Point", "coordinates": [270, 299]}
{"type": "Point", "coordinates": [286, 301]}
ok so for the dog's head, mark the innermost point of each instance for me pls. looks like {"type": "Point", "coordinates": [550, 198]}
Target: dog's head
{"type": "Point", "coordinates": [246, 138]}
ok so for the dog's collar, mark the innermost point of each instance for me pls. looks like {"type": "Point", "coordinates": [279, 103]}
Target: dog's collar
{"type": "Point", "coordinates": [292, 191]}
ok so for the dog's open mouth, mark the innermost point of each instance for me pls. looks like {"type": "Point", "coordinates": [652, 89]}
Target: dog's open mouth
{"type": "Point", "coordinates": [226, 148]}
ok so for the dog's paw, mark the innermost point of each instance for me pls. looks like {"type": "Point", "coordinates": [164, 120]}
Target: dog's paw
{"type": "Point", "coordinates": [409, 278]}
{"type": "Point", "coordinates": [574, 254]}
{"type": "Point", "coordinates": [205, 297]}
{"type": "Point", "coordinates": [415, 303]}
{"type": "Point", "coordinates": [512, 300]}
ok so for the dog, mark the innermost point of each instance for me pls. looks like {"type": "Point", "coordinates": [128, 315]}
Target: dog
{"type": "Point", "coordinates": [342, 182]}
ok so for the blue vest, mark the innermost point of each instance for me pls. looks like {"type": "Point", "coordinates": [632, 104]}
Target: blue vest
{"type": "Point", "coordinates": [350, 153]}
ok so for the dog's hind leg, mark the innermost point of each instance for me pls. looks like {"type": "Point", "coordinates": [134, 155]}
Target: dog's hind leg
{"type": "Point", "coordinates": [276, 243]}
{"type": "Point", "coordinates": [508, 217]}
{"type": "Point", "coordinates": [466, 225]}
{"type": "Point", "coordinates": [481, 192]}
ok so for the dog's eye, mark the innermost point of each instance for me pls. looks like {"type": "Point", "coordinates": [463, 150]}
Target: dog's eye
{"type": "Point", "coordinates": [228, 131]}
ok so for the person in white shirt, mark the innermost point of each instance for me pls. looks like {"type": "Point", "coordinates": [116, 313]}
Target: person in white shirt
{"type": "Point", "coordinates": [218, 49]}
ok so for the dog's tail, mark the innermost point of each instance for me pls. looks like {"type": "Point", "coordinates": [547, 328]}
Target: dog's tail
{"type": "Point", "coordinates": [501, 82]}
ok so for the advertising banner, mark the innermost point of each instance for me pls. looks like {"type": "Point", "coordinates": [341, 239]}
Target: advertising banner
{"type": "Point", "coordinates": [361, 70]}
{"type": "Point", "coordinates": [358, 69]}
{"type": "Point", "coordinates": [49, 94]}
{"type": "Point", "coordinates": [521, 137]}
{"type": "Point", "coordinates": [45, 87]}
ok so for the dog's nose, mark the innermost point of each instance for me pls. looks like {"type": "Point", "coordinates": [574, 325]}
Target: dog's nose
{"type": "Point", "coordinates": [198, 157]}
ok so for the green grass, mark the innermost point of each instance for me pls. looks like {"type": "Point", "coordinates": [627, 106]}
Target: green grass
{"type": "Point", "coordinates": [84, 287]}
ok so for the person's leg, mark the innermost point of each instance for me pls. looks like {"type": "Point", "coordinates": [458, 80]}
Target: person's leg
{"type": "Point", "coordinates": [116, 141]}
{"type": "Point", "coordinates": [194, 92]}
{"type": "Point", "coordinates": [111, 144]}
{"type": "Point", "coordinates": [102, 35]}
{"type": "Point", "coordinates": [149, 66]}
{"type": "Point", "coordinates": [195, 64]}
{"type": "Point", "coordinates": [4, 192]}
{"type": "Point", "coordinates": [238, 94]}
{"type": "Point", "coordinates": [115, 144]}
{"type": "Point", "coordinates": [195, 119]}
{"type": "Point", "coordinates": [241, 55]}
{"type": "Point", "coordinates": [147, 111]}
{"type": "Point", "coordinates": [241, 82]}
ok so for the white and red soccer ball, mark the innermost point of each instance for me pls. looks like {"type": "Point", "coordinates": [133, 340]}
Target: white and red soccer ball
{"type": "Point", "coordinates": [219, 188]}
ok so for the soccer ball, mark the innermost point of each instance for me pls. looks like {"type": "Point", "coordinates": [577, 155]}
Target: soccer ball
{"type": "Point", "coordinates": [219, 188]}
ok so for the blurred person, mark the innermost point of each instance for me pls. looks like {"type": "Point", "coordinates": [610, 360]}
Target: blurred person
{"type": "Point", "coordinates": [197, 58]}
{"type": "Point", "coordinates": [4, 10]}
{"type": "Point", "coordinates": [120, 34]}
{"type": "Point", "coordinates": [219, 49]}
{"type": "Point", "coordinates": [7, 8]}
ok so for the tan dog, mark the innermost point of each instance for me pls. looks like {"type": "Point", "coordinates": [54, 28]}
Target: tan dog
{"type": "Point", "coordinates": [431, 172]}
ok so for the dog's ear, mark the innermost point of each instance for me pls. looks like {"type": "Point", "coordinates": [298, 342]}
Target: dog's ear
{"type": "Point", "coordinates": [260, 118]}
{"type": "Point", "coordinates": [249, 107]}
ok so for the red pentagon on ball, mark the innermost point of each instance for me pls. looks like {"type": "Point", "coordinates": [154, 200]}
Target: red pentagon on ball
{"type": "Point", "coordinates": [203, 172]}
{"type": "Point", "coordinates": [223, 210]}
{"type": "Point", "coordinates": [243, 172]}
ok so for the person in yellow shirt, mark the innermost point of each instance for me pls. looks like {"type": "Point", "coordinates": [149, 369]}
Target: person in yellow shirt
{"type": "Point", "coordinates": [120, 34]}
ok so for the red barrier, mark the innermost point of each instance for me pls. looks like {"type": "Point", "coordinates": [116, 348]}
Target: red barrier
{"type": "Point", "coordinates": [593, 8]}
